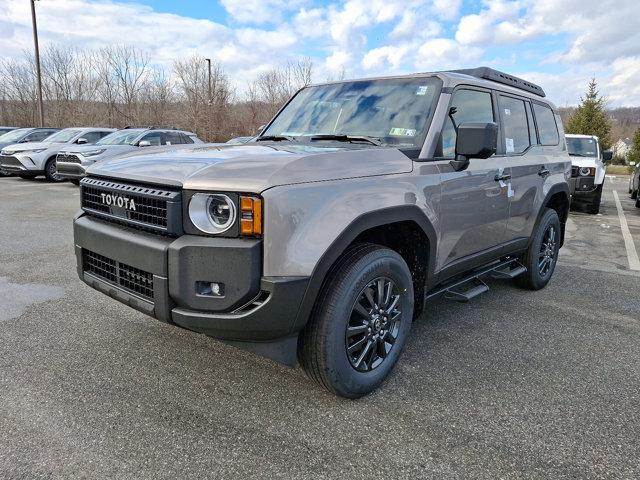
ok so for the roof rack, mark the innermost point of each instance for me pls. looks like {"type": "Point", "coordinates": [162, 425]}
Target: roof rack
{"type": "Point", "coordinates": [504, 78]}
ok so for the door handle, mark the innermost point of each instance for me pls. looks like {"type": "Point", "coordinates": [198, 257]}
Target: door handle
{"type": "Point", "coordinates": [543, 172]}
{"type": "Point", "coordinates": [502, 177]}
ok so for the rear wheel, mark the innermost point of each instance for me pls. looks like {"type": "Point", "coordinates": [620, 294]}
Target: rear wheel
{"type": "Point", "coordinates": [51, 172]}
{"type": "Point", "coordinates": [542, 254]}
{"type": "Point", "coordinates": [361, 322]}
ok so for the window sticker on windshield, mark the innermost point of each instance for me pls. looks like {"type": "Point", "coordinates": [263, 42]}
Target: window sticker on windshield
{"type": "Point", "coordinates": [510, 145]}
{"type": "Point", "coordinates": [403, 132]}
{"type": "Point", "coordinates": [422, 90]}
{"type": "Point", "coordinates": [507, 111]}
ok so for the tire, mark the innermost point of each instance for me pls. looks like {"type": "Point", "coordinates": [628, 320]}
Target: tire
{"type": "Point", "coordinates": [634, 194]}
{"type": "Point", "coordinates": [544, 245]}
{"type": "Point", "coordinates": [594, 207]}
{"type": "Point", "coordinates": [345, 362]}
{"type": "Point", "coordinates": [637, 201]}
{"type": "Point", "coordinates": [50, 171]}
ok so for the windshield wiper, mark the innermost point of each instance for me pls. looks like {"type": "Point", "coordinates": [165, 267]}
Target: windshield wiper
{"type": "Point", "coordinates": [276, 138]}
{"type": "Point", "coordinates": [577, 155]}
{"type": "Point", "coordinates": [348, 138]}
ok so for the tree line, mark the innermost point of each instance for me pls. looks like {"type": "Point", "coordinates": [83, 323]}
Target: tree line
{"type": "Point", "coordinates": [118, 86]}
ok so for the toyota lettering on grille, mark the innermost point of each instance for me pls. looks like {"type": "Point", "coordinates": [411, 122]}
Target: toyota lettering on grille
{"type": "Point", "coordinates": [111, 199]}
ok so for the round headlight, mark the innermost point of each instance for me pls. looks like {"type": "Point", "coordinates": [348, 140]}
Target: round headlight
{"type": "Point", "coordinates": [585, 171]}
{"type": "Point", "coordinates": [212, 213]}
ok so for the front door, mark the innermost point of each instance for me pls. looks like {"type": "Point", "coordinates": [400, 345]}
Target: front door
{"type": "Point", "coordinates": [474, 205]}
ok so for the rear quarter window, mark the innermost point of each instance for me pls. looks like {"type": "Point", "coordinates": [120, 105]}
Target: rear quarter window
{"type": "Point", "coordinates": [547, 127]}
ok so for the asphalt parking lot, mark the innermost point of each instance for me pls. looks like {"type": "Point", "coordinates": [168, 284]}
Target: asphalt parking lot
{"type": "Point", "coordinates": [514, 384]}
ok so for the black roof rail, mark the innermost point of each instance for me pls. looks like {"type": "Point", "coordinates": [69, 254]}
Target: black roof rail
{"type": "Point", "coordinates": [504, 78]}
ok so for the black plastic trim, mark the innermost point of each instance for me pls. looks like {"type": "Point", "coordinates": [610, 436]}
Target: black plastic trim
{"type": "Point", "coordinates": [359, 225]}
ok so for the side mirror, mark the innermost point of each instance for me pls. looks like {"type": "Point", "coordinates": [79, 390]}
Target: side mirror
{"type": "Point", "coordinates": [632, 164]}
{"type": "Point", "coordinates": [475, 140]}
{"type": "Point", "coordinates": [82, 141]}
{"type": "Point", "coordinates": [144, 143]}
{"type": "Point", "coordinates": [607, 155]}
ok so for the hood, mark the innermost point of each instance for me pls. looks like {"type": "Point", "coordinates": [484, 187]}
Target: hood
{"type": "Point", "coordinates": [252, 168]}
{"type": "Point", "coordinates": [109, 149]}
{"type": "Point", "coordinates": [29, 146]}
{"type": "Point", "coordinates": [583, 161]}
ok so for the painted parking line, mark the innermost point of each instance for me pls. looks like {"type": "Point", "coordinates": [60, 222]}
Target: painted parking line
{"type": "Point", "coordinates": [632, 254]}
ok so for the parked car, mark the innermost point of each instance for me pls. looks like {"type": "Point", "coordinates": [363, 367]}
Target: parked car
{"type": "Point", "coordinates": [634, 183]}
{"type": "Point", "coordinates": [588, 165]}
{"type": "Point", "coordinates": [4, 130]}
{"type": "Point", "coordinates": [322, 239]}
{"type": "Point", "coordinates": [72, 162]}
{"type": "Point", "coordinates": [28, 160]}
{"type": "Point", "coordinates": [23, 135]}
{"type": "Point", "coordinates": [239, 140]}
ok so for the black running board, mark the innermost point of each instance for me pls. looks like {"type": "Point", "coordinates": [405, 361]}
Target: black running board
{"type": "Point", "coordinates": [463, 289]}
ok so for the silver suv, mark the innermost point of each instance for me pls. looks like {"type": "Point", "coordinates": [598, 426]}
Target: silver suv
{"type": "Point", "coordinates": [33, 158]}
{"type": "Point", "coordinates": [72, 162]}
{"type": "Point", "coordinates": [324, 237]}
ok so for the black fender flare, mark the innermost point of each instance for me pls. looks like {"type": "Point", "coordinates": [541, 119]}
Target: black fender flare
{"type": "Point", "coordinates": [375, 218]}
{"type": "Point", "coordinates": [555, 189]}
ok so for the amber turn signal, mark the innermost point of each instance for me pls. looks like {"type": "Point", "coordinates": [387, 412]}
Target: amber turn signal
{"type": "Point", "coordinates": [250, 216]}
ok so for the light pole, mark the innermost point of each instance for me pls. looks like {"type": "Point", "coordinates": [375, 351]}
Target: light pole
{"type": "Point", "coordinates": [209, 101]}
{"type": "Point", "coordinates": [38, 72]}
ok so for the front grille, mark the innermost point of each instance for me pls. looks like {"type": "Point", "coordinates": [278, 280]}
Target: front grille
{"type": "Point", "coordinates": [67, 157]}
{"type": "Point", "coordinates": [117, 273]}
{"type": "Point", "coordinates": [575, 171]}
{"type": "Point", "coordinates": [144, 207]}
{"type": "Point", "coordinates": [11, 163]}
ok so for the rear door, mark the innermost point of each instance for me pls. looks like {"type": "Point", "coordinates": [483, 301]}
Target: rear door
{"type": "Point", "coordinates": [526, 160]}
{"type": "Point", "coordinates": [474, 206]}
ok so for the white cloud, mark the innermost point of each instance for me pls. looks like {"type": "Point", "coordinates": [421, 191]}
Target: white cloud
{"type": "Point", "coordinates": [385, 56]}
{"type": "Point", "coordinates": [447, 9]}
{"type": "Point", "coordinates": [259, 11]}
{"type": "Point", "coordinates": [444, 53]}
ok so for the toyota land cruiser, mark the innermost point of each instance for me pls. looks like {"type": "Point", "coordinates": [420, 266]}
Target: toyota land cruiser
{"type": "Point", "coordinates": [324, 237]}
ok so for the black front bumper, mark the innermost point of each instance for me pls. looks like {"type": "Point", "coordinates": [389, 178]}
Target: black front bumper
{"type": "Point", "coordinates": [72, 171]}
{"type": "Point", "coordinates": [157, 275]}
{"type": "Point", "coordinates": [582, 185]}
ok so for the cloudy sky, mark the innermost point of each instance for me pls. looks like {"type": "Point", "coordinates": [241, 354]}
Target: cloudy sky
{"type": "Point", "coordinates": [557, 43]}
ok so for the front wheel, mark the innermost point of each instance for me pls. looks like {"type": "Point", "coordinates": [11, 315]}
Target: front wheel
{"type": "Point", "coordinates": [51, 172]}
{"type": "Point", "coordinates": [542, 255]}
{"type": "Point", "coordinates": [361, 321]}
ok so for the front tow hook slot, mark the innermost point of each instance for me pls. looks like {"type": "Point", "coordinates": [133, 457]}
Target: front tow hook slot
{"type": "Point", "coordinates": [209, 289]}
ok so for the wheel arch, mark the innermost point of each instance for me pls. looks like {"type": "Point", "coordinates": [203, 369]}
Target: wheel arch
{"type": "Point", "coordinates": [370, 227]}
{"type": "Point", "coordinates": [558, 198]}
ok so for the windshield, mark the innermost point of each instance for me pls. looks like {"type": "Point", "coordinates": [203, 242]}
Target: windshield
{"type": "Point", "coordinates": [14, 135]}
{"type": "Point", "coordinates": [64, 136]}
{"type": "Point", "coordinates": [393, 111]}
{"type": "Point", "coordinates": [582, 147]}
{"type": "Point", "coordinates": [121, 137]}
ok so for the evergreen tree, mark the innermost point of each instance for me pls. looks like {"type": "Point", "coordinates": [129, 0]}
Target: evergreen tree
{"type": "Point", "coordinates": [634, 152]}
{"type": "Point", "coordinates": [590, 118]}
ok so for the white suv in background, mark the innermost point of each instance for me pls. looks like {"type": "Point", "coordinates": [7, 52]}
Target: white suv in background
{"type": "Point", "coordinates": [28, 160]}
{"type": "Point", "coordinates": [587, 170]}
{"type": "Point", "coordinates": [72, 162]}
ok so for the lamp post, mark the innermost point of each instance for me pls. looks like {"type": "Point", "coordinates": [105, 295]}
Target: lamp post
{"type": "Point", "coordinates": [209, 102]}
{"type": "Point", "coordinates": [38, 72]}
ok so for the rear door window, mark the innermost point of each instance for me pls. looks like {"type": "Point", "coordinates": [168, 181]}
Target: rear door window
{"type": "Point", "coordinates": [514, 125]}
{"type": "Point", "coordinates": [173, 138]}
{"type": "Point", "coordinates": [547, 128]}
